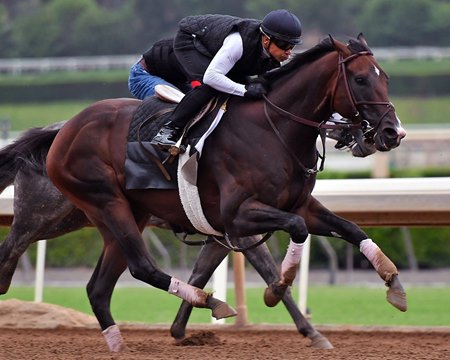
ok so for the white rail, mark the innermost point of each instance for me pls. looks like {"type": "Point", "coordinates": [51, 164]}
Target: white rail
{"type": "Point", "coordinates": [402, 201]}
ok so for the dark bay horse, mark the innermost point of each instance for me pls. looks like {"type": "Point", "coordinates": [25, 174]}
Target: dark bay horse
{"type": "Point", "coordinates": [256, 173]}
{"type": "Point", "coordinates": [42, 212]}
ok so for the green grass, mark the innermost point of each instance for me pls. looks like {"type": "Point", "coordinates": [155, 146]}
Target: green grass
{"type": "Point", "coordinates": [25, 116]}
{"type": "Point", "coordinates": [423, 111]}
{"type": "Point", "coordinates": [416, 67]}
{"type": "Point", "coordinates": [427, 306]}
{"type": "Point", "coordinates": [413, 110]}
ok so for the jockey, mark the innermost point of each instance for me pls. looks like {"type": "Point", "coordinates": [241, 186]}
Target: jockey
{"type": "Point", "coordinates": [158, 65]}
{"type": "Point", "coordinates": [217, 53]}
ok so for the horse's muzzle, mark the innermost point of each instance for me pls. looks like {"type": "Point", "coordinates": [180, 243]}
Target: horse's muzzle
{"type": "Point", "coordinates": [389, 138]}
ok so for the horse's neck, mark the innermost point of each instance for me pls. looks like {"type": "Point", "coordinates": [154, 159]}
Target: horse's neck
{"type": "Point", "coordinates": [306, 93]}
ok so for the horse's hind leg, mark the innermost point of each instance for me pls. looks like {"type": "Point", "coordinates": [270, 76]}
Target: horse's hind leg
{"type": "Point", "coordinates": [40, 212]}
{"type": "Point", "coordinates": [263, 262]}
{"type": "Point", "coordinates": [120, 224]}
{"type": "Point", "coordinates": [11, 249]}
{"type": "Point", "coordinates": [110, 266]}
{"type": "Point", "coordinates": [208, 259]}
{"type": "Point", "coordinates": [322, 221]}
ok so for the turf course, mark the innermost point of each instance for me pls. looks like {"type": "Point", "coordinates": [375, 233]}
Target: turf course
{"type": "Point", "coordinates": [338, 305]}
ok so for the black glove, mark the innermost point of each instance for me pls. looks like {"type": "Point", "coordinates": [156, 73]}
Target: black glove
{"type": "Point", "coordinates": [255, 89]}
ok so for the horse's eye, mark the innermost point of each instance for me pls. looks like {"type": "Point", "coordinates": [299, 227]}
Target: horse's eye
{"type": "Point", "coordinates": [360, 80]}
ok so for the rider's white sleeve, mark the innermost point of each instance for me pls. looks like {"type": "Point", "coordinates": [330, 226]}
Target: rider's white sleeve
{"type": "Point", "coordinates": [227, 56]}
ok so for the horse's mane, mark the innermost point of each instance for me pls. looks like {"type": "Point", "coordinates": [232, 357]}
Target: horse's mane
{"type": "Point", "coordinates": [323, 47]}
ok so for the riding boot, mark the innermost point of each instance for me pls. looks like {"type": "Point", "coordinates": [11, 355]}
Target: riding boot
{"type": "Point", "coordinates": [190, 105]}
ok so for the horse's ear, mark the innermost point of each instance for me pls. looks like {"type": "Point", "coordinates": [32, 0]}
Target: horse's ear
{"type": "Point", "coordinates": [340, 47]}
{"type": "Point", "coordinates": [332, 40]}
{"type": "Point", "coordinates": [362, 39]}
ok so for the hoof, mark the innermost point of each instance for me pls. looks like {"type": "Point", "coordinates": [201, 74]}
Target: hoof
{"type": "Point", "coordinates": [318, 341]}
{"type": "Point", "coordinates": [177, 334]}
{"type": "Point", "coordinates": [4, 288]}
{"type": "Point", "coordinates": [396, 295]}
{"type": "Point", "coordinates": [220, 309]}
{"type": "Point", "coordinates": [273, 294]}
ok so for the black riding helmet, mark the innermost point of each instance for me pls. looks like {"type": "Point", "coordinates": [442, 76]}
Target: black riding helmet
{"type": "Point", "coordinates": [282, 25]}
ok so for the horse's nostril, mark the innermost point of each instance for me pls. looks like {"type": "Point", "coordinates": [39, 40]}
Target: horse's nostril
{"type": "Point", "coordinates": [391, 133]}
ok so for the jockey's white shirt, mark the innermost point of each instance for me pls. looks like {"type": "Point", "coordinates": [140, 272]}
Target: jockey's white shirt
{"type": "Point", "coordinates": [227, 56]}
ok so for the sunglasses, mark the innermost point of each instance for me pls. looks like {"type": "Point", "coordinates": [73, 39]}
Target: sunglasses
{"type": "Point", "coordinates": [281, 44]}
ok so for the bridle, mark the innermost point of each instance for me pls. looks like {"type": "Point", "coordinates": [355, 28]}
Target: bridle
{"type": "Point", "coordinates": [357, 122]}
{"type": "Point", "coordinates": [353, 102]}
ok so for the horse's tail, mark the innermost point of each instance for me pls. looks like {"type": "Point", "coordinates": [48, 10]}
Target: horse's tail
{"type": "Point", "coordinates": [28, 151]}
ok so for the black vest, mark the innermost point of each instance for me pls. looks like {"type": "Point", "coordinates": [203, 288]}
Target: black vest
{"type": "Point", "coordinates": [211, 30]}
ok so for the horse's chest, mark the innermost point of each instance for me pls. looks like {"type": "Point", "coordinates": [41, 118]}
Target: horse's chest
{"type": "Point", "coordinates": [285, 195]}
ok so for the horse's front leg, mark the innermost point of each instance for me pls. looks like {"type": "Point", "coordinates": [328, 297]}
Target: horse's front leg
{"type": "Point", "coordinates": [257, 218]}
{"type": "Point", "coordinates": [208, 259]}
{"type": "Point", "coordinates": [263, 262]}
{"type": "Point", "coordinates": [321, 221]}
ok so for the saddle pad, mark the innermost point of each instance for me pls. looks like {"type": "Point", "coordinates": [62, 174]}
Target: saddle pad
{"type": "Point", "coordinates": [141, 126]}
{"type": "Point", "coordinates": [141, 172]}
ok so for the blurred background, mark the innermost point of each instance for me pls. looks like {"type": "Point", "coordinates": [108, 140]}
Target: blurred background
{"type": "Point", "coordinates": [58, 56]}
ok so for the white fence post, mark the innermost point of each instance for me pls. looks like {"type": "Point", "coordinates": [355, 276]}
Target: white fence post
{"type": "Point", "coordinates": [220, 278]}
{"type": "Point", "coordinates": [40, 269]}
{"type": "Point", "coordinates": [303, 278]}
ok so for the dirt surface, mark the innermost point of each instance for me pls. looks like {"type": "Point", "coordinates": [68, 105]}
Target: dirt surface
{"type": "Point", "coordinates": [247, 344]}
{"type": "Point", "coordinates": [48, 332]}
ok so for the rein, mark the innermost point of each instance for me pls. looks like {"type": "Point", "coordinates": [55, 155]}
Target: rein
{"type": "Point", "coordinates": [226, 244]}
{"type": "Point", "coordinates": [307, 171]}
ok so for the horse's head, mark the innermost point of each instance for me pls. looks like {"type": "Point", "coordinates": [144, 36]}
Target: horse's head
{"type": "Point", "coordinates": [361, 95]}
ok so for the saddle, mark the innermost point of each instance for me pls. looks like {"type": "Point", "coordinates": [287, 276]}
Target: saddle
{"type": "Point", "coordinates": [147, 167]}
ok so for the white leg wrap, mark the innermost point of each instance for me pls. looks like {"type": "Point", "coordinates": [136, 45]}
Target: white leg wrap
{"type": "Point", "coordinates": [371, 251]}
{"type": "Point", "coordinates": [113, 338]}
{"type": "Point", "coordinates": [292, 257]}
{"type": "Point", "coordinates": [191, 294]}
{"type": "Point", "coordinates": [382, 264]}
{"type": "Point", "coordinates": [291, 261]}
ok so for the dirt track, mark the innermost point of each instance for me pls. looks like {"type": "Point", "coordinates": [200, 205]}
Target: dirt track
{"type": "Point", "coordinates": [47, 332]}
{"type": "Point", "coordinates": [222, 344]}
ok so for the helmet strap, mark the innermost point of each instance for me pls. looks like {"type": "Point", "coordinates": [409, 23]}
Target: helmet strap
{"type": "Point", "coordinates": [266, 45]}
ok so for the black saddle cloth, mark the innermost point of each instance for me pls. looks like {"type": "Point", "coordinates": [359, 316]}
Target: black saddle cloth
{"type": "Point", "coordinates": [141, 172]}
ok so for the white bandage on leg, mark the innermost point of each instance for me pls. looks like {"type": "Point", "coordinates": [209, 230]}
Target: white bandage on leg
{"type": "Point", "coordinates": [191, 294]}
{"type": "Point", "coordinates": [290, 262]}
{"type": "Point", "coordinates": [371, 251]}
{"type": "Point", "coordinates": [114, 339]}
{"type": "Point", "coordinates": [382, 264]}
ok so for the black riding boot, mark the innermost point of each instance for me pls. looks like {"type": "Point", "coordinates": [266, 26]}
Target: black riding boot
{"type": "Point", "coordinates": [190, 105]}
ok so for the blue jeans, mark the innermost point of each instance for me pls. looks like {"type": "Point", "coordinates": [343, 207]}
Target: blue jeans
{"type": "Point", "coordinates": [141, 83]}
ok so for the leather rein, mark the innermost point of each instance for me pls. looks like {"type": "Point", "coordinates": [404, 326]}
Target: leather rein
{"type": "Point", "coordinates": [325, 125]}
